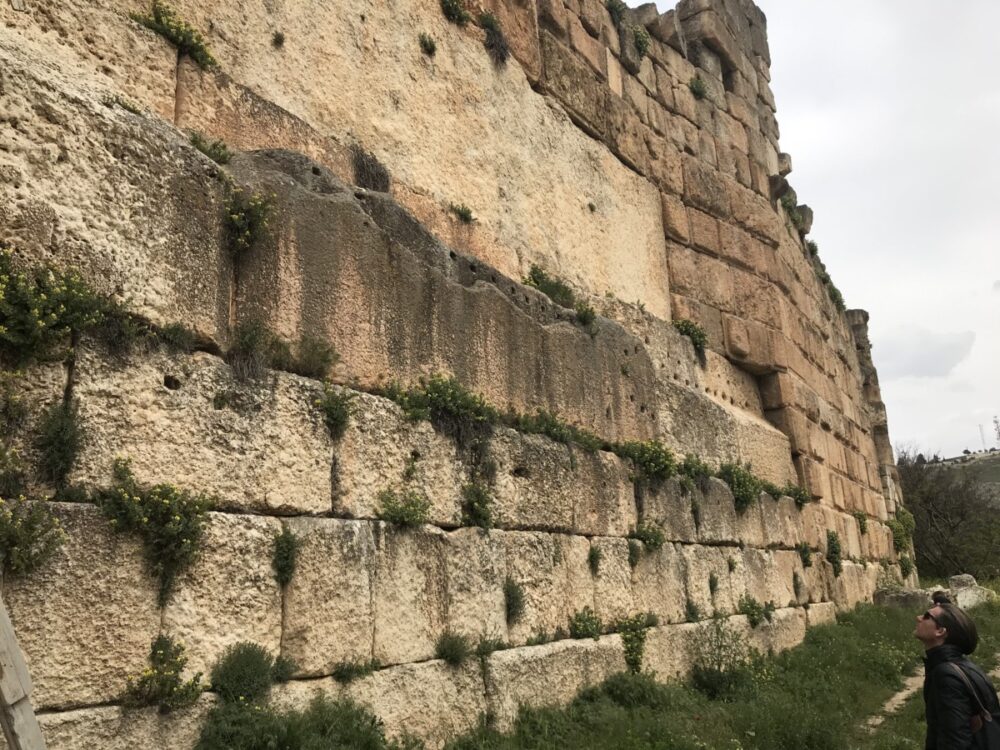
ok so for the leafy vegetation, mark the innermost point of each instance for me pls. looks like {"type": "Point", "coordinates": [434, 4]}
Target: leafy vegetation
{"type": "Point", "coordinates": [698, 88]}
{"type": "Point", "coordinates": [188, 42]}
{"type": "Point", "coordinates": [585, 623]}
{"type": "Point", "coordinates": [746, 488]}
{"type": "Point", "coordinates": [653, 461]}
{"type": "Point", "coordinates": [427, 45]}
{"type": "Point", "coordinates": [755, 612]}
{"type": "Point", "coordinates": [513, 595]}
{"type": "Point", "coordinates": [617, 10]}
{"type": "Point", "coordinates": [805, 554]}
{"type": "Point", "coordinates": [161, 684]}
{"type": "Point", "coordinates": [697, 335]}
{"type": "Point", "coordinates": [641, 40]}
{"type": "Point", "coordinates": [477, 505]}
{"type": "Point", "coordinates": [594, 557]}
{"type": "Point", "coordinates": [633, 630]}
{"type": "Point", "coordinates": [245, 671]}
{"type": "Point", "coordinates": [495, 42]}
{"type": "Point", "coordinates": [60, 437]}
{"type": "Point", "coordinates": [214, 150]}
{"type": "Point", "coordinates": [284, 554]}
{"type": "Point", "coordinates": [453, 648]}
{"type": "Point", "coordinates": [409, 508]}
{"type": "Point", "coordinates": [454, 11]}
{"type": "Point", "coordinates": [462, 212]}
{"type": "Point", "coordinates": [560, 293]}
{"type": "Point", "coordinates": [833, 552]}
{"type": "Point", "coordinates": [30, 534]}
{"type": "Point", "coordinates": [650, 535]}
{"type": "Point", "coordinates": [248, 216]}
{"type": "Point", "coordinates": [336, 405]}
{"type": "Point", "coordinates": [349, 671]}
{"type": "Point", "coordinates": [862, 519]}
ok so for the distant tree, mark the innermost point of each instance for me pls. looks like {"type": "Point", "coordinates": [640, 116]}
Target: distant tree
{"type": "Point", "coordinates": [957, 528]}
{"type": "Point", "coordinates": [966, 452]}
{"type": "Point", "coordinates": [920, 459]}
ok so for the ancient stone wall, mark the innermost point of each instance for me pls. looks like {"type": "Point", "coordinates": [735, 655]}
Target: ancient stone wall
{"type": "Point", "coordinates": [581, 157]}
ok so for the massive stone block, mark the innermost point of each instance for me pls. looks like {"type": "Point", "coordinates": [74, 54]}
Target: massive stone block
{"type": "Point", "coordinates": [475, 571]}
{"type": "Point", "coordinates": [186, 420]}
{"type": "Point", "coordinates": [85, 621]}
{"type": "Point", "coordinates": [122, 198]}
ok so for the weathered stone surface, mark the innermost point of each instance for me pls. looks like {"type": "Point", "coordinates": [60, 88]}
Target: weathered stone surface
{"type": "Point", "coordinates": [164, 254]}
{"type": "Point", "coordinates": [785, 629]}
{"type": "Point", "coordinates": [549, 675]}
{"type": "Point", "coordinates": [821, 613]}
{"type": "Point", "coordinates": [915, 600]}
{"type": "Point", "coordinates": [229, 594]}
{"type": "Point", "coordinates": [185, 420]}
{"type": "Point", "coordinates": [718, 522]}
{"type": "Point", "coordinates": [475, 571]}
{"type": "Point", "coordinates": [705, 565]}
{"type": "Point", "coordinates": [612, 584]}
{"type": "Point", "coordinates": [328, 610]}
{"type": "Point", "coordinates": [672, 508]}
{"type": "Point", "coordinates": [85, 620]}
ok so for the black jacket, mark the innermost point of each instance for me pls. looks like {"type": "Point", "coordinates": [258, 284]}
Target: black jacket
{"type": "Point", "coordinates": [948, 702]}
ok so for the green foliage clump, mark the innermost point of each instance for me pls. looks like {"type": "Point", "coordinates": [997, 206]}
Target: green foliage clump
{"type": "Point", "coordinates": [692, 613]}
{"type": "Point", "coordinates": [805, 554]}
{"type": "Point", "coordinates": [278, 39]}
{"type": "Point", "coordinates": [40, 309]}
{"type": "Point", "coordinates": [496, 42]}
{"type": "Point", "coordinates": [283, 555]}
{"type": "Point", "coordinates": [454, 11]}
{"type": "Point", "coordinates": [169, 521]}
{"type": "Point", "coordinates": [836, 296]}
{"type": "Point", "coordinates": [905, 565]}
{"type": "Point", "coordinates": [254, 348]}
{"type": "Point", "coordinates": [60, 437]}
{"type": "Point", "coordinates": [349, 671]}
{"type": "Point", "coordinates": [617, 10]}
{"type": "Point", "coordinates": [217, 151]}
{"type": "Point", "coordinates": [812, 247]}
{"type": "Point", "coordinates": [694, 471]}
{"type": "Point", "coordinates": [560, 293]}
{"type": "Point", "coordinates": [585, 623]}
{"type": "Point", "coordinates": [697, 335]}
{"type": "Point", "coordinates": [698, 88]}
{"type": "Point", "coordinates": [548, 424]}
{"type": "Point", "coordinates": [513, 595]}
{"type": "Point", "coordinates": [462, 212]}
{"type": "Point", "coordinates": [833, 552]}
{"type": "Point", "coordinates": [731, 564]}
{"type": "Point", "coordinates": [427, 45]}
{"type": "Point", "coordinates": [650, 535]}
{"type": "Point", "coordinates": [477, 505]}
{"type": "Point", "coordinates": [453, 648]}
{"type": "Point", "coordinates": [746, 488]}
{"type": "Point", "coordinates": [450, 407]}
{"type": "Point", "coordinates": [314, 358]}
{"type": "Point", "coordinates": [753, 610]}
{"type": "Point", "coordinates": [120, 101]}
{"type": "Point", "coordinates": [653, 461]}
{"type": "Point", "coordinates": [633, 632]}
{"type": "Point", "coordinates": [369, 172]}
{"type": "Point", "coordinates": [862, 519]}
{"type": "Point", "coordinates": [634, 553]}
{"type": "Point", "coordinates": [409, 508]}
{"type": "Point", "coordinates": [720, 660]}
{"type": "Point", "coordinates": [246, 671]}
{"type": "Point", "coordinates": [188, 42]}
{"type": "Point", "coordinates": [790, 203]}
{"type": "Point", "coordinates": [161, 684]}
{"type": "Point", "coordinates": [713, 583]}
{"type": "Point", "coordinates": [336, 406]}
{"type": "Point", "coordinates": [799, 494]}
{"type": "Point", "coordinates": [641, 40]}
{"type": "Point", "coordinates": [248, 216]}
{"type": "Point", "coordinates": [488, 644]}
{"type": "Point", "coordinates": [30, 535]}
{"type": "Point", "coordinates": [594, 557]}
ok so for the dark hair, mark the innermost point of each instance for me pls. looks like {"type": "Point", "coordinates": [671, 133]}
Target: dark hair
{"type": "Point", "coordinates": [940, 597]}
{"type": "Point", "coordinates": [961, 629]}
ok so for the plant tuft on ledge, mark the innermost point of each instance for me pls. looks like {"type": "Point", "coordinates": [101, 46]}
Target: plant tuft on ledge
{"type": "Point", "coordinates": [698, 88]}
{"type": "Point", "coordinates": [699, 339]}
{"type": "Point", "coordinates": [30, 535]}
{"type": "Point", "coordinates": [427, 44]}
{"type": "Point", "coordinates": [454, 11]}
{"type": "Point", "coordinates": [164, 22]}
{"type": "Point", "coordinates": [617, 10]}
{"type": "Point", "coordinates": [409, 508]}
{"type": "Point", "coordinates": [247, 219]}
{"type": "Point", "coordinates": [161, 684]}
{"type": "Point", "coordinates": [496, 42]}
{"type": "Point", "coordinates": [641, 40]}
{"type": "Point", "coordinates": [217, 151]}
{"type": "Point", "coordinates": [462, 212]}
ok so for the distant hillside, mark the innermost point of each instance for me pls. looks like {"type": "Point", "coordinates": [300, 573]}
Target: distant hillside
{"type": "Point", "coordinates": [984, 467]}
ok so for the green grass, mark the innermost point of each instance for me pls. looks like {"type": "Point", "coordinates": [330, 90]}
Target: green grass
{"type": "Point", "coordinates": [813, 696]}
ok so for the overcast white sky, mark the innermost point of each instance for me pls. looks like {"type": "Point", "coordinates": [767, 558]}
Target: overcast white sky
{"type": "Point", "coordinates": [891, 112]}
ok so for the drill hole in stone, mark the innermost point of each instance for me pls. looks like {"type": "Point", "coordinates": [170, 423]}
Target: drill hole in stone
{"type": "Point", "coordinates": [171, 382]}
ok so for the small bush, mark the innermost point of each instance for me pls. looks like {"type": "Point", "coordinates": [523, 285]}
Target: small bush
{"type": "Point", "coordinates": [753, 609]}
{"type": "Point", "coordinates": [248, 216]}
{"type": "Point", "coordinates": [697, 335]}
{"type": "Point", "coordinates": [336, 406]}
{"type": "Point", "coordinates": [862, 520]}
{"type": "Point", "coordinates": [488, 644]}
{"type": "Point", "coordinates": [214, 150]}
{"type": "Point", "coordinates": [29, 535]}
{"type": "Point", "coordinates": [551, 287]}
{"type": "Point", "coordinates": [905, 566]}
{"type": "Point", "coordinates": [427, 45]}
{"type": "Point", "coordinates": [812, 247]}
{"type": "Point", "coordinates": [451, 408]}
{"type": "Point", "coordinates": [586, 316]}
{"type": "Point", "coordinates": [653, 461]}
{"type": "Point", "coordinates": [12, 473]}
{"type": "Point", "coordinates": [746, 488]}
{"type": "Point", "coordinates": [513, 595]}
{"type": "Point", "coordinates": [463, 212]}
{"type": "Point", "coordinates": [161, 684]}
{"type": "Point", "coordinates": [178, 337]}
{"type": "Point", "coordinates": [283, 668]}
{"type": "Point", "coordinates": [594, 558]}
{"type": "Point", "coordinates": [60, 437]}
{"type": "Point", "coordinates": [283, 555]}
{"type": "Point", "coordinates": [805, 554]}
{"type": "Point", "coordinates": [369, 172]}
{"type": "Point", "coordinates": [315, 358]}
{"type": "Point", "coordinates": [790, 203]}
{"type": "Point", "coordinates": [477, 505]}
{"type": "Point", "coordinates": [585, 624]}
{"type": "Point", "coordinates": [633, 632]}
{"type": "Point", "coordinates": [453, 648]}
{"type": "Point", "coordinates": [409, 508]}
{"type": "Point", "coordinates": [694, 469]}
{"type": "Point", "coordinates": [245, 671]}
{"type": "Point", "coordinates": [713, 583]}
{"type": "Point", "coordinates": [454, 11]}
{"type": "Point", "coordinates": [120, 101]}
{"type": "Point", "coordinates": [278, 39]}
{"type": "Point", "coordinates": [836, 296]}
{"type": "Point", "coordinates": [720, 660]}
{"type": "Point", "coordinates": [695, 511]}
{"type": "Point", "coordinates": [496, 42]}
{"type": "Point", "coordinates": [833, 552]}
{"type": "Point", "coordinates": [548, 424]}
{"type": "Point", "coordinates": [348, 671]}
{"type": "Point", "coordinates": [698, 88]}
{"type": "Point", "coordinates": [731, 564]}
{"type": "Point", "coordinates": [641, 40]}
{"type": "Point", "coordinates": [800, 495]}
{"type": "Point", "coordinates": [169, 521]}
{"type": "Point", "coordinates": [692, 613]}
{"type": "Point", "coordinates": [254, 348]}
{"type": "Point", "coordinates": [617, 10]}
{"type": "Point", "coordinates": [188, 42]}
{"type": "Point", "coordinates": [650, 535]}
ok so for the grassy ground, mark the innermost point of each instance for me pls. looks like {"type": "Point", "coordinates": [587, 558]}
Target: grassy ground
{"type": "Point", "coordinates": [812, 697]}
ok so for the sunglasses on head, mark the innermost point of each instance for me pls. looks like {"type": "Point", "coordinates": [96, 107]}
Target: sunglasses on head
{"type": "Point", "coordinates": [928, 616]}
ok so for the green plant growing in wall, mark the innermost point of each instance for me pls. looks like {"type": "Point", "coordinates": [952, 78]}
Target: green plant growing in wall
{"type": "Point", "coordinates": [731, 564]}
{"type": "Point", "coordinates": [495, 42]}
{"type": "Point", "coordinates": [246, 671]}
{"type": "Point", "coordinates": [634, 553]}
{"type": "Point", "coordinates": [905, 566]}
{"type": "Point", "coordinates": [713, 583]}
{"type": "Point", "coordinates": [755, 612]}
{"type": "Point", "coordinates": [453, 648]}
{"type": "Point", "coordinates": [641, 40]}
{"type": "Point", "coordinates": [697, 335]}
{"type": "Point", "coordinates": [164, 22]}
{"type": "Point", "coordinates": [833, 552]}
{"type": "Point", "coordinates": [248, 217]}
{"type": "Point", "coordinates": [653, 461]}
{"type": "Point", "coordinates": [462, 212]}
{"type": "Point", "coordinates": [477, 505]}
{"type": "Point", "coordinates": [746, 488]}
{"type": "Point", "coordinates": [650, 535]}
{"type": "Point", "coordinates": [862, 519]}
{"type": "Point", "coordinates": [617, 10]}
{"type": "Point", "coordinates": [698, 88]}
{"type": "Point", "coordinates": [254, 349]}
{"type": "Point", "coordinates": [30, 534]}
{"type": "Point", "coordinates": [805, 554]}
{"type": "Point", "coordinates": [278, 39]}
{"type": "Point", "coordinates": [427, 44]}
{"type": "Point", "coordinates": [488, 644]}
{"type": "Point", "coordinates": [513, 595]}
{"type": "Point", "coordinates": [60, 437]}
{"type": "Point", "coordinates": [812, 248]}
{"type": "Point", "coordinates": [315, 357]}
{"type": "Point", "coordinates": [161, 684]}
{"type": "Point", "coordinates": [584, 623]}
{"type": "Point", "coordinates": [692, 613]}
{"type": "Point", "coordinates": [284, 553]}
{"type": "Point", "coordinates": [454, 11]}
{"type": "Point", "coordinates": [336, 406]}
{"type": "Point", "coordinates": [594, 557]}
{"type": "Point", "coordinates": [633, 631]}
{"type": "Point", "coordinates": [349, 671]}
{"type": "Point", "coordinates": [409, 508]}
{"type": "Point", "coordinates": [720, 659]}
{"type": "Point", "coordinates": [169, 521]}
{"type": "Point", "coordinates": [214, 150]}
{"type": "Point", "coordinates": [902, 527]}
{"type": "Point", "coordinates": [120, 101]}
{"type": "Point", "coordinates": [797, 585]}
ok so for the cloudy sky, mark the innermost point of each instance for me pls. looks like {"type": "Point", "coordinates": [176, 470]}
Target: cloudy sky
{"type": "Point", "coordinates": [891, 112]}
